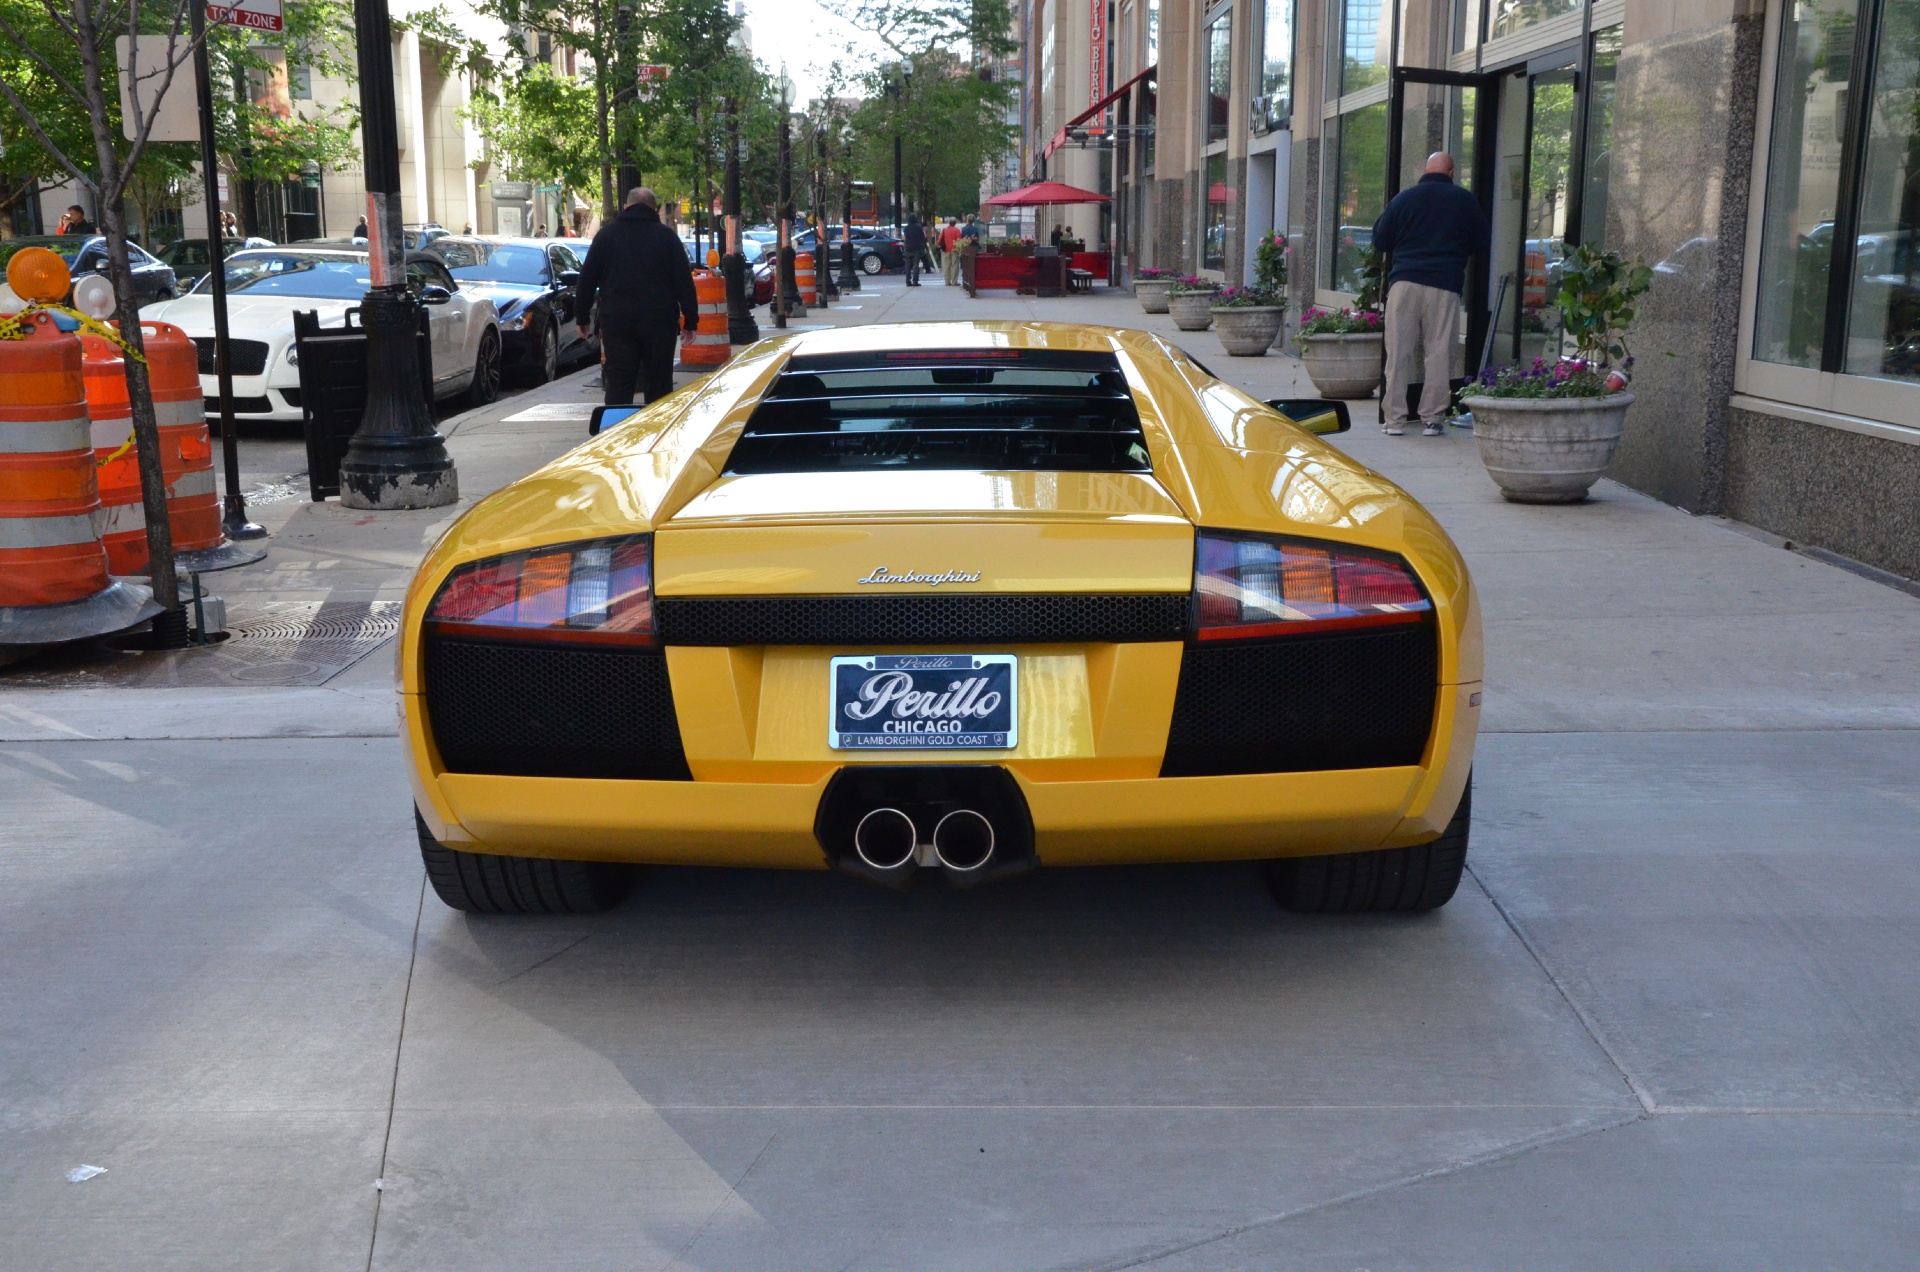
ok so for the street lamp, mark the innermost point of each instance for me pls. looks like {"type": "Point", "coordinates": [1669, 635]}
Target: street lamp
{"type": "Point", "coordinates": [785, 293]}
{"type": "Point", "coordinates": [741, 328]}
{"type": "Point", "coordinates": [898, 91]}
{"type": "Point", "coordinates": [395, 459]}
{"type": "Point", "coordinates": [822, 182]}
{"type": "Point", "coordinates": [849, 281]}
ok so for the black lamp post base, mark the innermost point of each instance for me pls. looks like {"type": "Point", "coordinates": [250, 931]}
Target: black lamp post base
{"type": "Point", "coordinates": [381, 487]}
{"type": "Point", "coordinates": [234, 523]}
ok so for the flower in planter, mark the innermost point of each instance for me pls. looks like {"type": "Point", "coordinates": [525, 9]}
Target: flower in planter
{"type": "Point", "coordinates": [1153, 274]}
{"type": "Point", "coordinates": [1246, 298]}
{"type": "Point", "coordinates": [1193, 283]}
{"type": "Point", "coordinates": [1315, 321]}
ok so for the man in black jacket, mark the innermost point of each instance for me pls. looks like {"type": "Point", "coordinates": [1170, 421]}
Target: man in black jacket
{"type": "Point", "coordinates": [913, 240]}
{"type": "Point", "coordinates": [1430, 231]}
{"type": "Point", "coordinates": [639, 270]}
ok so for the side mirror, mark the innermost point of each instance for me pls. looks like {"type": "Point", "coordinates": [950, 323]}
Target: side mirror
{"type": "Point", "coordinates": [434, 295]}
{"type": "Point", "coordinates": [605, 417]}
{"type": "Point", "coordinates": [570, 278]}
{"type": "Point", "coordinates": [1316, 415]}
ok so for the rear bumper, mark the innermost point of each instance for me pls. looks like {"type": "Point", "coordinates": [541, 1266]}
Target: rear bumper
{"type": "Point", "coordinates": [1076, 823]}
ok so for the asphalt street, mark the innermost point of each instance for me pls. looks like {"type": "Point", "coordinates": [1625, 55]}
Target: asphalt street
{"type": "Point", "coordinates": [1670, 1021]}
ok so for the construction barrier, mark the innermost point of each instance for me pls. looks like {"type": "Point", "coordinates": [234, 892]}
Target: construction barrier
{"type": "Point", "coordinates": [803, 279]}
{"type": "Point", "coordinates": [707, 348]}
{"type": "Point", "coordinates": [186, 455]}
{"type": "Point", "coordinates": [49, 548]}
{"type": "Point", "coordinates": [54, 582]}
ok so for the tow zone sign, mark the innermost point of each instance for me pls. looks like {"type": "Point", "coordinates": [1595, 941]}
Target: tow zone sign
{"type": "Point", "coordinates": [254, 15]}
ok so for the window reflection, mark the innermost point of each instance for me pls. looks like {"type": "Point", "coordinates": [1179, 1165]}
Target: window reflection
{"type": "Point", "coordinates": [1803, 181]}
{"type": "Point", "coordinates": [1214, 249]}
{"type": "Point", "coordinates": [1883, 325]}
{"type": "Point", "coordinates": [1515, 15]}
{"type": "Point", "coordinates": [1276, 75]}
{"type": "Point", "coordinates": [1359, 191]}
{"type": "Point", "coordinates": [1599, 149]}
{"type": "Point", "coordinates": [1219, 75]}
{"type": "Point", "coordinates": [1357, 47]}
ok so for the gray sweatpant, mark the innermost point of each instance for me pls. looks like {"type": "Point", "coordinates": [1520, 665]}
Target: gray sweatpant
{"type": "Point", "coordinates": [1423, 325]}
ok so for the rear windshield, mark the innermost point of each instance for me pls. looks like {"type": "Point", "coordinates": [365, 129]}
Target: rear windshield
{"type": "Point", "coordinates": [999, 409]}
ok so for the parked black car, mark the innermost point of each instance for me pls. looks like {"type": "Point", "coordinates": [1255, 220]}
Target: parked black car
{"type": "Point", "coordinates": [530, 282]}
{"type": "Point", "coordinates": [873, 252]}
{"type": "Point", "coordinates": [87, 254]}
{"type": "Point", "coordinates": [188, 256]}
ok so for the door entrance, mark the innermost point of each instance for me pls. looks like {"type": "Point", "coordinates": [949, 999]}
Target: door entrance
{"type": "Point", "coordinates": [1430, 111]}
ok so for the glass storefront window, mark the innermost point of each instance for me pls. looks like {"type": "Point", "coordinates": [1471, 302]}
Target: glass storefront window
{"type": "Point", "coordinates": [1549, 184]}
{"type": "Point", "coordinates": [1883, 322]}
{"type": "Point", "coordinates": [1359, 190]}
{"type": "Point", "coordinates": [1276, 68]}
{"type": "Point", "coordinates": [1803, 181]}
{"type": "Point", "coordinates": [1515, 15]}
{"type": "Point", "coordinates": [1357, 45]}
{"type": "Point", "coordinates": [1219, 75]}
{"type": "Point", "coordinates": [1213, 253]}
{"type": "Point", "coordinates": [1466, 24]}
{"type": "Point", "coordinates": [1599, 148]}
{"type": "Point", "coordinates": [1153, 32]}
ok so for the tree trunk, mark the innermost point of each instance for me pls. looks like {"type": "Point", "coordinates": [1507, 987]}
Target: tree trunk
{"type": "Point", "coordinates": [113, 216]}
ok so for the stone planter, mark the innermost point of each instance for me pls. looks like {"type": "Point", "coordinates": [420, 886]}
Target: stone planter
{"type": "Point", "coordinates": [1247, 331]}
{"type": "Point", "coordinates": [1344, 366]}
{"type": "Point", "coordinates": [1152, 294]}
{"type": "Point", "coordinates": [1192, 311]}
{"type": "Point", "coordinates": [1547, 450]}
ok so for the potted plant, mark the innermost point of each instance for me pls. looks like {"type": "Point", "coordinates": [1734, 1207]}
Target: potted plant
{"type": "Point", "coordinates": [1190, 301]}
{"type": "Point", "coordinates": [1150, 288]}
{"type": "Point", "coordinates": [1248, 319]}
{"type": "Point", "coordinates": [1547, 431]}
{"type": "Point", "coordinates": [1343, 350]}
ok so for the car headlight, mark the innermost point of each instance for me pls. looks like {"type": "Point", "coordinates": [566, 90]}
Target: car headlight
{"type": "Point", "coordinates": [293, 355]}
{"type": "Point", "coordinates": [1250, 586]}
{"type": "Point", "coordinates": [517, 322]}
{"type": "Point", "coordinates": [596, 592]}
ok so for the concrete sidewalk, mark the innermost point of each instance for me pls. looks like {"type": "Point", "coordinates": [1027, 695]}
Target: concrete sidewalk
{"type": "Point", "coordinates": [1669, 1022]}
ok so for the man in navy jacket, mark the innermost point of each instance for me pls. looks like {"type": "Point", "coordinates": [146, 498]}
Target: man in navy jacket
{"type": "Point", "coordinates": [637, 268]}
{"type": "Point", "coordinates": [1429, 232]}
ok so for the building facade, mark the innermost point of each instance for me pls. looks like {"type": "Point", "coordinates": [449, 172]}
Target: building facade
{"type": "Point", "coordinates": [1762, 155]}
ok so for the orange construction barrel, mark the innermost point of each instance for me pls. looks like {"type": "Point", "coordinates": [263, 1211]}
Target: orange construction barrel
{"type": "Point", "coordinates": [50, 548]}
{"type": "Point", "coordinates": [123, 527]}
{"type": "Point", "coordinates": [707, 348]}
{"type": "Point", "coordinates": [803, 279]}
{"type": "Point", "coordinates": [186, 452]}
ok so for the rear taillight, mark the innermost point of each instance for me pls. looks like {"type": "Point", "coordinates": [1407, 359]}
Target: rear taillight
{"type": "Point", "coordinates": [1246, 587]}
{"type": "Point", "coordinates": [599, 592]}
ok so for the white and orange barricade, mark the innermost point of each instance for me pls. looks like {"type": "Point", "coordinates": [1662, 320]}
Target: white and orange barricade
{"type": "Point", "coordinates": [707, 348]}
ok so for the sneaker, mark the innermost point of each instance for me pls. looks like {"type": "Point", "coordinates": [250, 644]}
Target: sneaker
{"type": "Point", "coordinates": [1433, 430]}
{"type": "Point", "coordinates": [1392, 430]}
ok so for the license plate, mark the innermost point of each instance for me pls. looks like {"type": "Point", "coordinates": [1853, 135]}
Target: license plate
{"type": "Point", "coordinates": [924, 702]}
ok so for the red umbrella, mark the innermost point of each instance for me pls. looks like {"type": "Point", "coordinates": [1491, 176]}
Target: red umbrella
{"type": "Point", "coordinates": [1046, 192]}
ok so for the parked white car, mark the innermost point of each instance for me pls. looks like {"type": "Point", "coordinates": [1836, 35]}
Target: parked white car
{"type": "Point", "coordinates": [266, 285]}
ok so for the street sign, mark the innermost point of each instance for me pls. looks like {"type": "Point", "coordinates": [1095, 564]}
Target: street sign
{"type": "Point", "coordinates": [651, 78]}
{"type": "Point", "coordinates": [254, 15]}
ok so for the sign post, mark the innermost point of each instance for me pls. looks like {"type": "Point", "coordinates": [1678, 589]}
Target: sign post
{"type": "Point", "coordinates": [233, 512]}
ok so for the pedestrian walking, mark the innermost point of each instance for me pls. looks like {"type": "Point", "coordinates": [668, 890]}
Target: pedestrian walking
{"type": "Point", "coordinates": [1427, 235]}
{"type": "Point", "coordinates": [640, 274]}
{"type": "Point", "coordinates": [914, 240]}
{"type": "Point", "coordinates": [360, 229]}
{"type": "Point", "coordinates": [950, 252]}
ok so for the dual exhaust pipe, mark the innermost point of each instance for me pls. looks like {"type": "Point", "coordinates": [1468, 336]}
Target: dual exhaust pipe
{"type": "Point", "coordinates": [887, 840]}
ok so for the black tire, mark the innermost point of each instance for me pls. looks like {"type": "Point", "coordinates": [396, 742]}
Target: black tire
{"type": "Point", "coordinates": [485, 388]}
{"type": "Point", "coordinates": [484, 883]}
{"type": "Point", "coordinates": [546, 366]}
{"type": "Point", "coordinates": [1397, 880]}
{"type": "Point", "coordinates": [872, 264]}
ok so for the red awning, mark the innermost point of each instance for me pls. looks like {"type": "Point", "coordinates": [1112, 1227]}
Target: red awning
{"type": "Point", "coordinates": [1060, 138]}
{"type": "Point", "coordinates": [1047, 192]}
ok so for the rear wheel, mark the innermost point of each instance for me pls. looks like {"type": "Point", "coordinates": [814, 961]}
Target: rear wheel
{"type": "Point", "coordinates": [486, 371]}
{"type": "Point", "coordinates": [1423, 877]}
{"type": "Point", "coordinates": [872, 264]}
{"type": "Point", "coordinates": [484, 883]}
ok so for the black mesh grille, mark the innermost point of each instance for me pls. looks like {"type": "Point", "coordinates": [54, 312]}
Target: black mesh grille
{"type": "Point", "coordinates": [971, 619]}
{"type": "Point", "coordinates": [547, 711]}
{"type": "Point", "coordinates": [249, 357]}
{"type": "Point", "coordinates": [1349, 700]}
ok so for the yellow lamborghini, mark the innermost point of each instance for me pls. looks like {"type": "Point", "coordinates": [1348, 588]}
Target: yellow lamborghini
{"type": "Point", "coordinates": [968, 598]}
